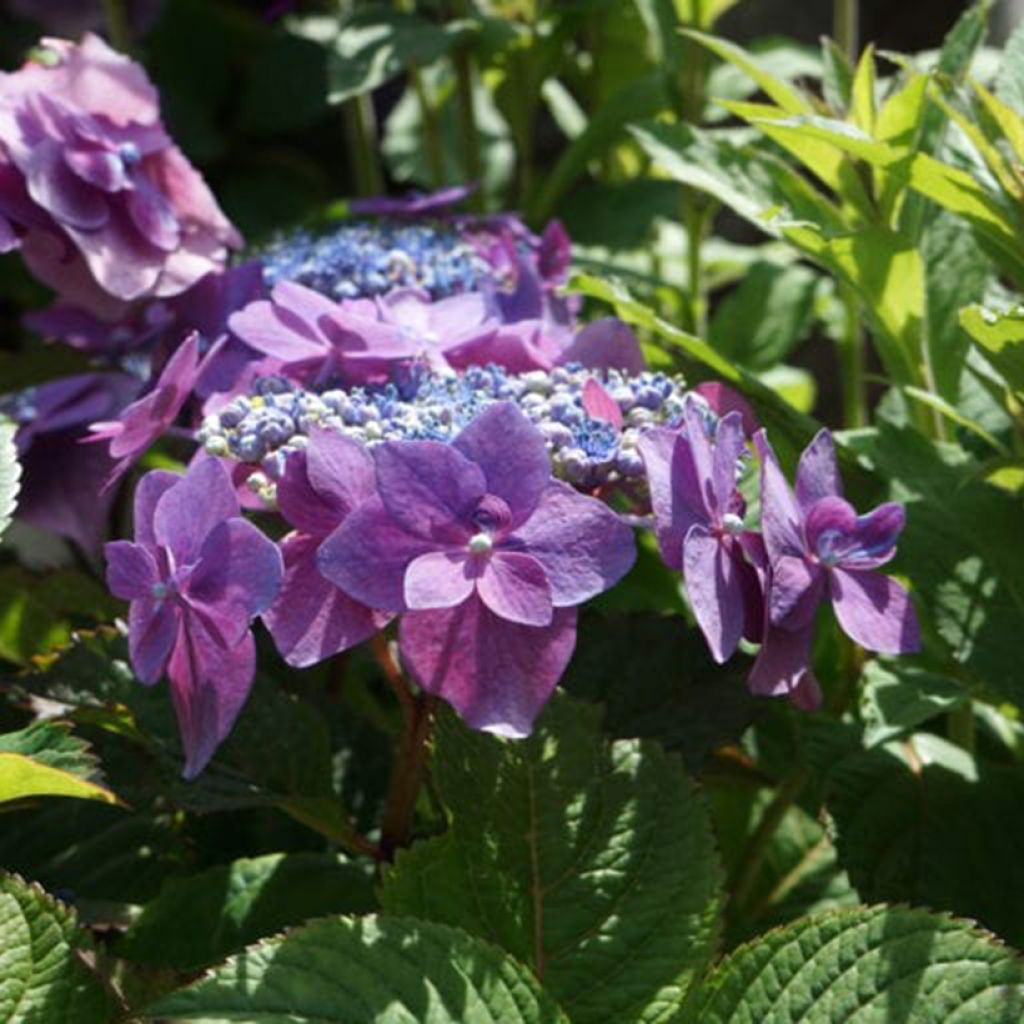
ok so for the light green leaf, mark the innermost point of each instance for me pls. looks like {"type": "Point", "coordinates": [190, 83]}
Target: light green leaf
{"type": "Point", "coordinates": [896, 698]}
{"type": "Point", "coordinates": [46, 760]}
{"type": "Point", "coordinates": [1010, 82]}
{"type": "Point", "coordinates": [868, 964]}
{"type": "Point", "coordinates": [10, 474]}
{"type": "Point", "coordinates": [999, 337]}
{"type": "Point", "coordinates": [198, 920]}
{"type": "Point", "coordinates": [702, 13]}
{"type": "Point", "coordinates": [592, 862]}
{"type": "Point", "coordinates": [793, 384]}
{"type": "Point", "coordinates": [778, 90]}
{"type": "Point", "coordinates": [837, 80]}
{"type": "Point", "coordinates": [862, 97]}
{"type": "Point", "coordinates": [374, 970]}
{"type": "Point", "coordinates": [954, 415]}
{"type": "Point", "coordinates": [42, 977]}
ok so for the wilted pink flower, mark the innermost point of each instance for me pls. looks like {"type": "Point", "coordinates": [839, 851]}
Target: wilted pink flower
{"type": "Point", "coordinates": [107, 209]}
{"type": "Point", "coordinates": [196, 575]}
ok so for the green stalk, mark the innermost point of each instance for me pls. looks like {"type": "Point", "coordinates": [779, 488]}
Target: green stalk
{"type": "Point", "coordinates": [846, 27]}
{"type": "Point", "coordinates": [361, 133]}
{"type": "Point", "coordinates": [469, 137]}
{"type": "Point", "coordinates": [851, 359]}
{"type": "Point", "coordinates": [431, 128]}
{"type": "Point", "coordinates": [117, 25]}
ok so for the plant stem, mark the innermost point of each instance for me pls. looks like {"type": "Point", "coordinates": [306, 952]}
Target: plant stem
{"type": "Point", "coordinates": [431, 128]}
{"type": "Point", "coordinates": [117, 25]}
{"type": "Point", "coordinates": [406, 777]}
{"type": "Point", "coordinates": [361, 132]}
{"type": "Point", "coordinates": [745, 873]}
{"type": "Point", "coordinates": [851, 358]}
{"type": "Point", "coordinates": [393, 675]}
{"type": "Point", "coordinates": [846, 27]}
{"type": "Point", "coordinates": [462, 61]}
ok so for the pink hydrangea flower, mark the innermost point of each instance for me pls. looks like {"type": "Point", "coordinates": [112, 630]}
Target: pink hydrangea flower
{"type": "Point", "coordinates": [105, 207]}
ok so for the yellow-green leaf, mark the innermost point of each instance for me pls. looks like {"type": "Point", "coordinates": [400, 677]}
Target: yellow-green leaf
{"type": "Point", "coordinates": [21, 778]}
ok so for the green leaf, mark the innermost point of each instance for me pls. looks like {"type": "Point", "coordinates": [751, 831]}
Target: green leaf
{"type": "Point", "coordinates": [198, 920]}
{"type": "Point", "coordinates": [42, 977]}
{"type": "Point", "coordinates": [1010, 82]}
{"type": "Point", "coordinates": [921, 821]}
{"type": "Point", "coordinates": [873, 963]}
{"type": "Point", "coordinates": [837, 78]}
{"type": "Point", "coordinates": [46, 760]}
{"type": "Point", "coordinates": [376, 43]}
{"type": "Point", "coordinates": [793, 384]}
{"type": "Point", "coordinates": [896, 698]}
{"type": "Point", "coordinates": [592, 862]}
{"type": "Point", "coordinates": [999, 337]}
{"type": "Point", "coordinates": [358, 971]}
{"type": "Point", "coordinates": [759, 323]}
{"type": "Point", "coordinates": [668, 689]}
{"type": "Point", "coordinates": [10, 474]}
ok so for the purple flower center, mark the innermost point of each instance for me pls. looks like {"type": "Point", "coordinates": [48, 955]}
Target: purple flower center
{"type": "Point", "coordinates": [129, 153]}
{"type": "Point", "coordinates": [492, 515]}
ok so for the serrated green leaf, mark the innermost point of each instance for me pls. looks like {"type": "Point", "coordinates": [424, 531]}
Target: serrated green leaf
{"type": "Point", "coordinates": [10, 474]}
{"type": "Point", "coordinates": [46, 760]}
{"type": "Point", "coordinates": [593, 863]}
{"type": "Point", "coordinates": [375, 970]}
{"type": "Point", "coordinates": [42, 977]}
{"type": "Point", "coordinates": [198, 920]}
{"type": "Point", "coordinates": [869, 964]}
{"type": "Point", "coordinates": [896, 698]}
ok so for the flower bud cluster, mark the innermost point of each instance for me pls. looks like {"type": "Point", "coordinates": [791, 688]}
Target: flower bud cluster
{"type": "Point", "coordinates": [277, 418]}
{"type": "Point", "coordinates": [366, 258]}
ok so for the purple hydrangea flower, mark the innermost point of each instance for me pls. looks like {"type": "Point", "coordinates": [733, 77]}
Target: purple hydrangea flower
{"type": "Point", "coordinates": [311, 618]}
{"type": "Point", "coordinates": [417, 204]}
{"type": "Point", "coordinates": [817, 548]}
{"type": "Point", "coordinates": [196, 575]}
{"type": "Point", "coordinates": [104, 204]}
{"type": "Point", "coordinates": [699, 524]}
{"type": "Point", "coordinates": [61, 481]}
{"type": "Point", "coordinates": [145, 420]}
{"type": "Point", "coordinates": [486, 558]}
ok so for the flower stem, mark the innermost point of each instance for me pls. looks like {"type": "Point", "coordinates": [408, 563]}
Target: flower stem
{"type": "Point", "coordinates": [407, 777]}
{"type": "Point", "coordinates": [846, 27]}
{"type": "Point", "coordinates": [361, 132]}
{"type": "Point", "coordinates": [393, 675]}
{"type": "Point", "coordinates": [462, 62]}
{"type": "Point", "coordinates": [851, 358]}
{"type": "Point", "coordinates": [117, 25]}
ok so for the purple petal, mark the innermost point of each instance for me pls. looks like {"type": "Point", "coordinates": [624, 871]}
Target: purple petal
{"type": "Point", "coordinates": [672, 482]}
{"type": "Point", "coordinates": [599, 405]}
{"type": "Point", "coordinates": [414, 205]}
{"type": "Point", "coordinates": [303, 507]}
{"type": "Point", "coordinates": [457, 315]}
{"type": "Point", "coordinates": [840, 537]}
{"type": "Point", "coordinates": [729, 446]}
{"type": "Point", "coordinates": [100, 168]}
{"type": "Point", "coordinates": [606, 344]}
{"type": "Point", "coordinates": [439, 579]}
{"type": "Point", "coordinates": [875, 611]}
{"type": "Point", "coordinates": [703, 458]}
{"type": "Point", "coordinates": [188, 511]}
{"type": "Point", "coordinates": [209, 686]}
{"type": "Point", "coordinates": [783, 663]}
{"type": "Point", "coordinates": [367, 557]}
{"type": "Point", "coordinates": [153, 215]}
{"type": "Point", "coordinates": [554, 253]}
{"type": "Point", "coordinates": [60, 192]}
{"type": "Point", "coordinates": [817, 476]}
{"type": "Point", "coordinates": [510, 451]}
{"type": "Point", "coordinates": [496, 674]}
{"type": "Point", "coordinates": [152, 628]}
{"type": "Point", "coordinates": [797, 587]}
{"type": "Point", "coordinates": [723, 400]}
{"type": "Point", "coordinates": [312, 619]}
{"type": "Point", "coordinates": [584, 547]}
{"type": "Point", "coordinates": [276, 330]}
{"type": "Point", "coordinates": [715, 589]}
{"type": "Point", "coordinates": [340, 469]}
{"type": "Point", "coordinates": [807, 695]}
{"type": "Point", "coordinates": [148, 492]}
{"type": "Point", "coordinates": [237, 576]}
{"type": "Point", "coordinates": [131, 571]}
{"type": "Point", "coordinates": [429, 488]}
{"type": "Point", "coordinates": [780, 513]}
{"type": "Point", "coordinates": [515, 587]}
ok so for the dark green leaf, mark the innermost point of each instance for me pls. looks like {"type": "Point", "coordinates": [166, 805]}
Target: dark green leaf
{"type": "Point", "coordinates": [375, 970]}
{"type": "Point", "coordinates": [198, 920]}
{"type": "Point", "coordinates": [896, 698]}
{"type": "Point", "coordinates": [592, 862]}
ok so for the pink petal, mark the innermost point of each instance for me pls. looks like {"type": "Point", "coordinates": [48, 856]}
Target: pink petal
{"type": "Point", "coordinates": [510, 451]}
{"type": "Point", "coordinates": [715, 589]}
{"type": "Point", "coordinates": [97, 167]}
{"type": "Point", "coordinates": [515, 587]}
{"type": "Point", "coordinates": [875, 611]}
{"type": "Point", "coordinates": [439, 579]}
{"type": "Point", "coordinates": [496, 674]}
{"type": "Point", "coordinates": [312, 619]}
{"type": "Point", "coordinates": [599, 405]}
{"type": "Point", "coordinates": [584, 547]}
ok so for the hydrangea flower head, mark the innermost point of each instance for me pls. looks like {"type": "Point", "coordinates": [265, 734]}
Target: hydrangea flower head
{"type": "Point", "coordinates": [817, 548]}
{"type": "Point", "coordinates": [486, 558]}
{"type": "Point", "coordinates": [104, 205]}
{"type": "Point", "coordinates": [196, 576]}
{"type": "Point", "coordinates": [311, 618]}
